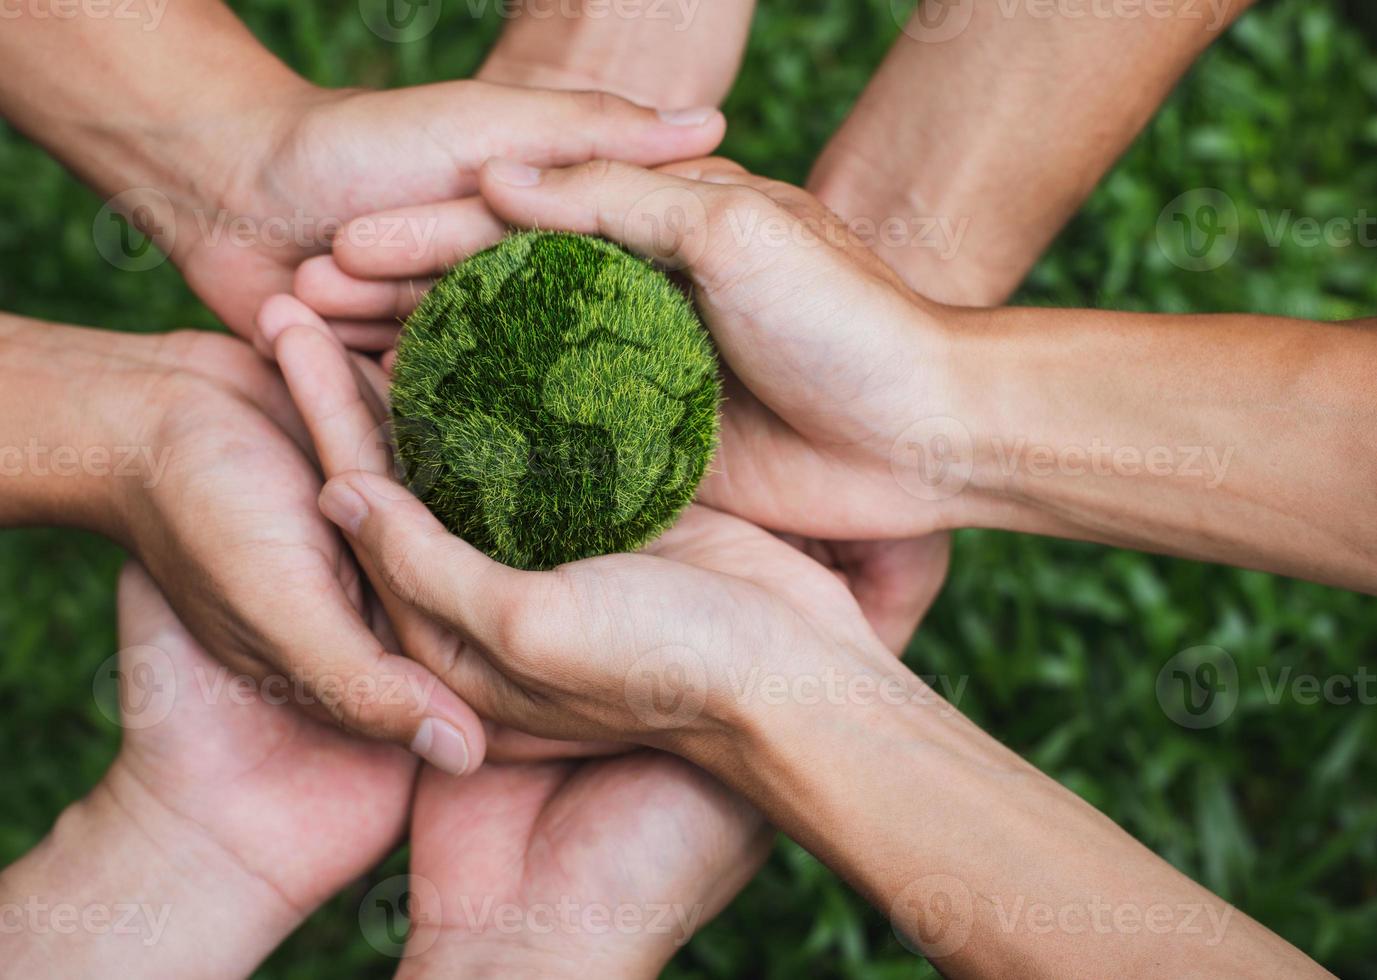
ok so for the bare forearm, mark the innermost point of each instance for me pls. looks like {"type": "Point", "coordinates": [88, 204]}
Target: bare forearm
{"type": "Point", "coordinates": [1242, 439]}
{"type": "Point", "coordinates": [971, 147]}
{"type": "Point", "coordinates": [668, 55]}
{"type": "Point", "coordinates": [114, 893]}
{"type": "Point", "coordinates": [146, 95]}
{"type": "Point", "coordinates": [981, 862]}
{"type": "Point", "coordinates": [60, 442]}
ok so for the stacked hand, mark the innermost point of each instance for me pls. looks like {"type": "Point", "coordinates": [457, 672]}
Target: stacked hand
{"type": "Point", "coordinates": [223, 799]}
{"type": "Point", "coordinates": [221, 511]}
{"type": "Point", "coordinates": [559, 654]}
{"type": "Point", "coordinates": [553, 870]}
{"type": "Point", "coordinates": [328, 157]}
{"type": "Point", "coordinates": [819, 383]}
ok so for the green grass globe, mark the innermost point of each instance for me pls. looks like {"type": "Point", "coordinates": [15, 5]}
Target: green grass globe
{"type": "Point", "coordinates": [555, 397]}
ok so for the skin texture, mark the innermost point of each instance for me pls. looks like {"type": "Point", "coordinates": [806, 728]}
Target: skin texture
{"type": "Point", "coordinates": [897, 792]}
{"type": "Point", "coordinates": [239, 169]}
{"type": "Point", "coordinates": [670, 56]}
{"type": "Point", "coordinates": [997, 202]}
{"type": "Point", "coordinates": [186, 449]}
{"type": "Point", "coordinates": [555, 846]}
{"type": "Point", "coordinates": [219, 799]}
{"type": "Point", "coordinates": [681, 841]}
{"type": "Point", "coordinates": [1034, 109]}
{"type": "Point", "coordinates": [1138, 437]}
{"type": "Point", "coordinates": [226, 820]}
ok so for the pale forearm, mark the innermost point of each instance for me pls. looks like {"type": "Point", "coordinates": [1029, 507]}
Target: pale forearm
{"type": "Point", "coordinates": [1242, 439]}
{"type": "Point", "coordinates": [669, 55]}
{"type": "Point", "coordinates": [969, 150]}
{"type": "Point", "coordinates": [116, 892]}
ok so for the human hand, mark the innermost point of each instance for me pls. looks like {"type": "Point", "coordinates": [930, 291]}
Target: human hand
{"type": "Point", "coordinates": [764, 470]}
{"type": "Point", "coordinates": [225, 520]}
{"type": "Point", "coordinates": [562, 654]}
{"type": "Point", "coordinates": [297, 804]}
{"type": "Point", "coordinates": [562, 869]}
{"type": "Point", "coordinates": [329, 157]}
{"type": "Point", "coordinates": [224, 821]}
{"type": "Point", "coordinates": [830, 357]}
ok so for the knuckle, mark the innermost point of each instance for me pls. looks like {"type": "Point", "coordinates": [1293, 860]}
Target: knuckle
{"type": "Point", "coordinates": [517, 629]}
{"type": "Point", "coordinates": [522, 622]}
{"type": "Point", "coordinates": [730, 205]}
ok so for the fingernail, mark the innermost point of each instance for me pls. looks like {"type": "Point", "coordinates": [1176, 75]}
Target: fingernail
{"type": "Point", "coordinates": [342, 504]}
{"type": "Point", "coordinates": [442, 745]}
{"type": "Point", "coordinates": [513, 173]}
{"type": "Point", "coordinates": [688, 117]}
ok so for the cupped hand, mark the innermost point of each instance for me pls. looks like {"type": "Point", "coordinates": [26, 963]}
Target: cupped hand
{"type": "Point", "coordinates": [570, 869]}
{"type": "Point", "coordinates": [328, 157]}
{"type": "Point", "coordinates": [830, 358]}
{"type": "Point", "coordinates": [293, 803]}
{"type": "Point", "coordinates": [831, 362]}
{"type": "Point", "coordinates": [225, 520]}
{"type": "Point", "coordinates": [584, 651]}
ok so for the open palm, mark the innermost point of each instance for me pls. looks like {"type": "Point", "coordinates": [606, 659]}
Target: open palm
{"type": "Point", "coordinates": [529, 867]}
{"type": "Point", "coordinates": [296, 803]}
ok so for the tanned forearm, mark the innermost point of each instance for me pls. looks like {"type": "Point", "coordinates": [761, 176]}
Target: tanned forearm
{"type": "Point", "coordinates": [970, 148]}
{"type": "Point", "coordinates": [1248, 440]}
{"type": "Point", "coordinates": [982, 863]}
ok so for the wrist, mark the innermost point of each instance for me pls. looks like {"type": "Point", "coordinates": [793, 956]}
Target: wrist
{"type": "Point", "coordinates": [669, 59]}
{"type": "Point", "coordinates": [122, 888]}
{"type": "Point", "coordinates": [929, 464]}
{"type": "Point", "coordinates": [69, 439]}
{"type": "Point", "coordinates": [919, 233]}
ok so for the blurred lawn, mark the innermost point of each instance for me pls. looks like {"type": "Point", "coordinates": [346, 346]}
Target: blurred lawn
{"type": "Point", "coordinates": [1059, 645]}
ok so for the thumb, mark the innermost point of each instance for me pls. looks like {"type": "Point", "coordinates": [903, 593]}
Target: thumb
{"type": "Point", "coordinates": [421, 563]}
{"type": "Point", "coordinates": [557, 128]}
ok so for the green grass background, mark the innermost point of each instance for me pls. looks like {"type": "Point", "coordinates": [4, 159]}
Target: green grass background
{"type": "Point", "coordinates": [1060, 644]}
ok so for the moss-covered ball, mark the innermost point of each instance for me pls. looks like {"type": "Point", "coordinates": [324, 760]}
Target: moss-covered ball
{"type": "Point", "coordinates": [554, 398]}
